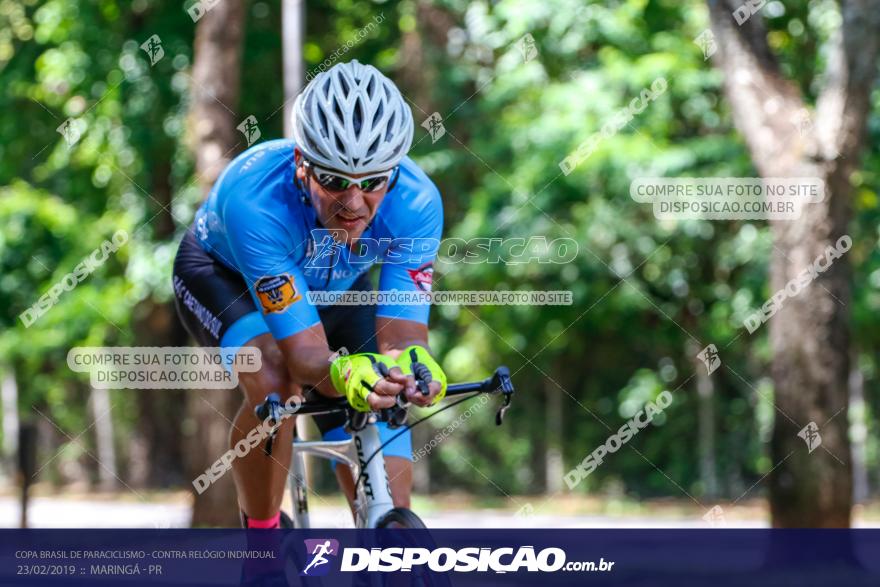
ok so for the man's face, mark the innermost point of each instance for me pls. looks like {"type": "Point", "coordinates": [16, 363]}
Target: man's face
{"type": "Point", "coordinates": [349, 211]}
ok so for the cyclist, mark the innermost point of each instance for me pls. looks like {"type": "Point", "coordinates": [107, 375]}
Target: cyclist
{"type": "Point", "coordinates": [313, 214]}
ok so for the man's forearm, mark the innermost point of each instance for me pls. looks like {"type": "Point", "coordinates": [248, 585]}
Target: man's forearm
{"type": "Point", "coordinates": [394, 348]}
{"type": "Point", "coordinates": [311, 367]}
{"type": "Point", "coordinates": [307, 357]}
{"type": "Point", "coordinates": [396, 335]}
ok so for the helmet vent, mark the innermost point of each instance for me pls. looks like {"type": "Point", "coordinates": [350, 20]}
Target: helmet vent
{"type": "Point", "coordinates": [315, 145]}
{"type": "Point", "coordinates": [373, 147]}
{"type": "Point", "coordinates": [323, 126]}
{"type": "Point", "coordinates": [338, 110]}
{"type": "Point", "coordinates": [390, 128]}
{"type": "Point", "coordinates": [358, 117]}
{"type": "Point", "coordinates": [380, 110]}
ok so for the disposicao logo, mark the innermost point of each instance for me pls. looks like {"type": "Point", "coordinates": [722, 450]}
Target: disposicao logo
{"type": "Point", "coordinates": [318, 551]}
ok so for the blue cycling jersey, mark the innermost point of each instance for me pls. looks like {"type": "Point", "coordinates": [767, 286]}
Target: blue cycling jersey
{"type": "Point", "coordinates": [257, 221]}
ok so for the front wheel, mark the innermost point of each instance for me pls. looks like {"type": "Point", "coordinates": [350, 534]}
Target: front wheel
{"type": "Point", "coordinates": [401, 518]}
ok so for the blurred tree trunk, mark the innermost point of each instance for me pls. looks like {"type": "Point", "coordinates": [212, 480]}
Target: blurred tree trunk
{"type": "Point", "coordinates": [810, 335]}
{"type": "Point", "coordinates": [293, 27]}
{"type": "Point", "coordinates": [414, 77]}
{"type": "Point", "coordinates": [859, 431]}
{"type": "Point", "coordinates": [424, 51]}
{"type": "Point", "coordinates": [9, 408]}
{"type": "Point", "coordinates": [705, 423]}
{"type": "Point", "coordinates": [554, 469]}
{"type": "Point", "coordinates": [215, 92]}
{"type": "Point", "coordinates": [108, 475]}
{"type": "Point", "coordinates": [156, 450]}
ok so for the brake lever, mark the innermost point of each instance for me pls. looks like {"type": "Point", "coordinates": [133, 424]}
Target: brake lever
{"type": "Point", "coordinates": [423, 378]}
{"type": "Point", "coordinates": [395, 416]}
{"type": "Point", "coordinates": [499, 415]}
{"type": "Point", "coordinates": [421, 373]}
{"type": "Point", "coordinates": [269, 410]}
{"type": "Point", "coordinates": [357, 421]}
{"type": "Point", "coordinates": [502, 382]}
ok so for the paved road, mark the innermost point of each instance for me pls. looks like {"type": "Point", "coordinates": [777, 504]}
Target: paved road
{"type": "Point", "coordinates": [69, 513]}
{"type": "Point", "coordinates": [59, 512]}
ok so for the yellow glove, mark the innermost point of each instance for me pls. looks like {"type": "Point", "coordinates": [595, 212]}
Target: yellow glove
{"type": "Point", "coordinates": [354, 376]}
{"type": "Point", "coordinates": [416, 361]}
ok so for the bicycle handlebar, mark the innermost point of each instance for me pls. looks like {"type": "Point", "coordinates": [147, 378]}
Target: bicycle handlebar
{"type": "Point", "coordinates": [498, 382]}
{"type": "Point", "coordinates": [272, 410]}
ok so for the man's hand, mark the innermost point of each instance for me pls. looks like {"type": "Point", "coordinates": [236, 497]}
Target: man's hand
{"type": "Point", "coordinates": [369, 381]}
{"type": "Point", "coordinates": [416, 362]}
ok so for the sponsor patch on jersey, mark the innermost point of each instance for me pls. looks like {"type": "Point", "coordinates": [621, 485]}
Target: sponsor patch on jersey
{"type": "Point", "coordinates": [276, 293]}
{"type": "Point", "coordinates": [423, 276]}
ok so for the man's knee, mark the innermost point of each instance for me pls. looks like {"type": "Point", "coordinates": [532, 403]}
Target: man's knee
{"type": "Point", "coordinates": [272, 376]}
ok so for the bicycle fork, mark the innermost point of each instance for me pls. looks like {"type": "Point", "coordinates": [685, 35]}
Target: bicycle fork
{"type": "Point", "coordinates": [339, 450]}
{"type": "Point", "coordinates": [298, 489]}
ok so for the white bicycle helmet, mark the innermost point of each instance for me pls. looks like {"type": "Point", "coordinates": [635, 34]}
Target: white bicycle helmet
{"type": "Point", "coordinates": [352, 118]}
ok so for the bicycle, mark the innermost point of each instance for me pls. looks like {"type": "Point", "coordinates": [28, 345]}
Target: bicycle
{"type": "Point", "coordinates": [373, 504]}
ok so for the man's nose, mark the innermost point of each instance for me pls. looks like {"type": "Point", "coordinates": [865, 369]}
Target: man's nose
{"type": "Point", "coordinates": [352, 198]}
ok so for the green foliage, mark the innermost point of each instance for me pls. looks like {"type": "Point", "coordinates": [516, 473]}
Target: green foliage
{"type": "Point", "coordinates": [647, 294]}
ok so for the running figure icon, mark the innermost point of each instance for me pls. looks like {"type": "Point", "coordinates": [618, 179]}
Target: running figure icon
{"type": "Point", "coordinates": [320, 550]}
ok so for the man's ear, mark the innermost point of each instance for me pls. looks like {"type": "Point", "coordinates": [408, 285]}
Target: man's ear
{"type": "Point", "coordinates": [298, 161]}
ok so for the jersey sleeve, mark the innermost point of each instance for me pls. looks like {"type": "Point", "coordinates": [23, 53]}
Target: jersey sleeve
{"type": "Point", "coordinates": [408, 264]}
{"type": "Point", "coordinates": [265, 254]}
